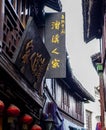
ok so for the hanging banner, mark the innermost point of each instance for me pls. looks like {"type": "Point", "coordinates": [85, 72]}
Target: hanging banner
{"type": "Point", "coordinates": [55, 43]}
{"type": "Point", "coordinates": [32, 57]}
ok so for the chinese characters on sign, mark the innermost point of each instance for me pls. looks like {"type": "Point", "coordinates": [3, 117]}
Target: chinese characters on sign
{"type": "Point", "coordinates": [55, 43]}
{"type": "Point", "coordinates": [32, 57]}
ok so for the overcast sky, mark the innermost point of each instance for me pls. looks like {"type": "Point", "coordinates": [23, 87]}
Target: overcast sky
{"type": "Point", "coordinates": [79, 51]}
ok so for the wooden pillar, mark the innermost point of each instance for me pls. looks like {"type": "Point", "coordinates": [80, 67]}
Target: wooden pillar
{"type": "Point", "coordinates": [101, 83]}
{"type": "Point", "coordinates": [2, 3]}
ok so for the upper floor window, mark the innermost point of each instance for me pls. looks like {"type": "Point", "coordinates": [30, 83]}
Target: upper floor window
{"type": "Point", "coordinates": [78, 107]}
{"type": "Point", "coordinates": [65, 100]}
{"type": "Point", "coordinates": [88, 120]}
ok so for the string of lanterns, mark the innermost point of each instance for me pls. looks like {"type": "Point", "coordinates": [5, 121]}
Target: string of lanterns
{"type": "Point", "coordinates": [13, 112]}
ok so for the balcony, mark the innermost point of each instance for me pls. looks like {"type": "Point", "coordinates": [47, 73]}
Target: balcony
{"type": "Point", "coordinates": [11, 30]}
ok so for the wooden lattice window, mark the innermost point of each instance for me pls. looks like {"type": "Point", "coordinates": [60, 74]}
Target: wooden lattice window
{"type": "Point", "coordinates": [22, 9]}
{"type": "Point", "coordinates": [65, 100]}
{"type": "Point", "coordinates": [12, 31]}
{"type": "Point", "coordinates": [78, 107]}
{"type": "Point", "coordinates": [88, 120]}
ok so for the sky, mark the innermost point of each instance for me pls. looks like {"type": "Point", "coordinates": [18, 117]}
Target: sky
{"type": "Point", "coordinates": [79, 51]}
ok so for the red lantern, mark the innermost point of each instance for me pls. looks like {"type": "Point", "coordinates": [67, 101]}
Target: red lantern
{"type": "Point", "coordinates": [1, 106]}
{"type": "Point", "coordinates": [27, 119]}
{"type": "Point", "coordinates": [1, 113]}
{"type": "Point", "coordinates": [36, 127]}
{"type": "Point", "coordinates": [13, 110]}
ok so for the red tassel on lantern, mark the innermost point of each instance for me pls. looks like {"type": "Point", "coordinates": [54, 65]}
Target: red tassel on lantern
{"type": "Point", "coordinates": [27, 119]}
{"type": "Point", "coordinates": [36, 127]}
{"type": "Point", "coordinates": [13, 110]}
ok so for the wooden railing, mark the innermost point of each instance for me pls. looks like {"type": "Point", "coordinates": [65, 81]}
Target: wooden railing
{"type": "Point", "coordinates": [11, 30]}
{"type": "Point", "coordinates": [22, 9]}
{"type": "Point", "coordinates": [14, 20]}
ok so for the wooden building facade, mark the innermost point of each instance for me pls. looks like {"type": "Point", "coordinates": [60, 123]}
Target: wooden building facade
{"type": "Point", "coordinates": [66, 96]}
{"type": "Point", "coordinates": [28, 102]}
{"type": "Point", "coordinates": [15, 90]}
{"type": "Point", "coordinates": [94, 19]}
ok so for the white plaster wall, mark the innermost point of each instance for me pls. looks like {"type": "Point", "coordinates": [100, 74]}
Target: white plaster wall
{"type": "Point", "coordinates": [93, 107]}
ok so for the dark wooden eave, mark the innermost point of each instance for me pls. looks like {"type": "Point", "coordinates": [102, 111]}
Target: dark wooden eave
{"type": "Point", "coordinates": [17, 90]}
{"type": "Point", "coordinates": [54, 4]}
{"type": "Point", "coordinates": [92, 19]}
{"type": "Point", "coordinates": [75, 86]}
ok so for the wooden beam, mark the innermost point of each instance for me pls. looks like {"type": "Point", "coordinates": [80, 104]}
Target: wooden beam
{"type": "Point", "coordinates": [1, 22]}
